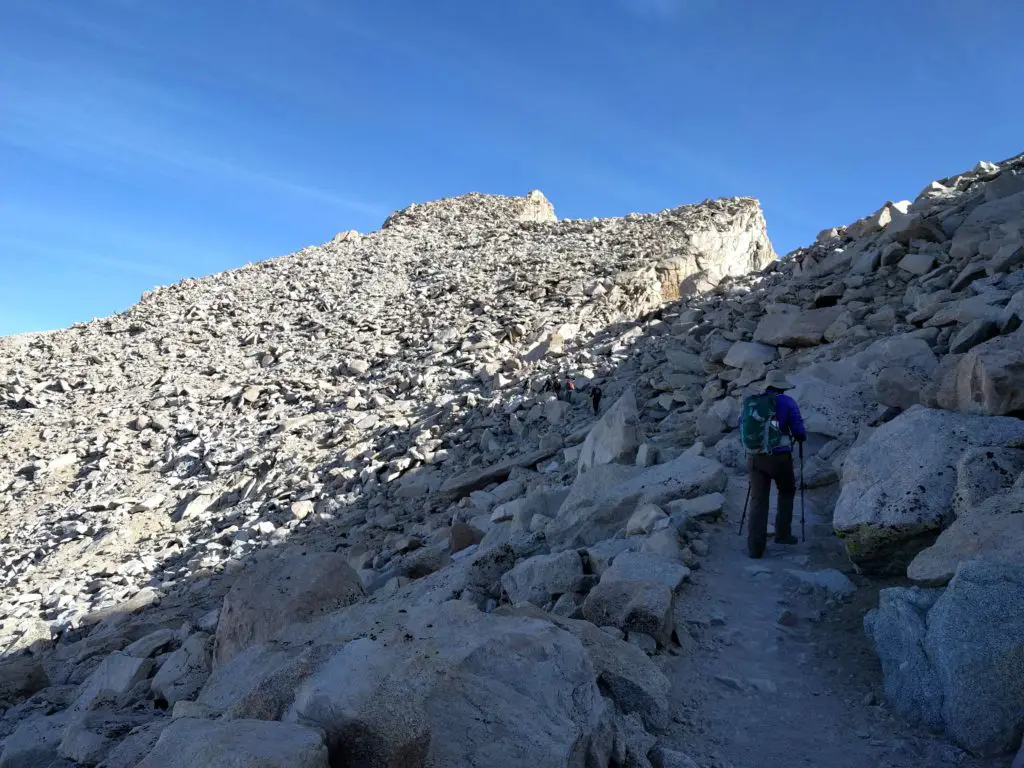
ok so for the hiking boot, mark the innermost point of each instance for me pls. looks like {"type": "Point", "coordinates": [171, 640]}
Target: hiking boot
{"type": "Point", "coordinates": [786, 539]}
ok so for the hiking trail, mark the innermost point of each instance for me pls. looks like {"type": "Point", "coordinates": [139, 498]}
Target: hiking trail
{"type": "Point", "coordinates": [774, 673]}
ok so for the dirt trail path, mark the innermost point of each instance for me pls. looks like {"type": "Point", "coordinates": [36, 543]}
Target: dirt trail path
{"type": "Point", "coordinates": [775, 674]}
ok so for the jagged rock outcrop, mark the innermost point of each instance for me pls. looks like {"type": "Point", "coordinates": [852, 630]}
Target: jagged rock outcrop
{"type": "Point", "coordinates": [893, 498]}
{"type": "Point", "coordinates": [262, 400]}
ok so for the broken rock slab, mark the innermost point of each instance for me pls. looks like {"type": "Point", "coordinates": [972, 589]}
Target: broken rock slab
{"type": "Point", "coordinates": [636, 594]}
{"type": "Point", "coordinates": [116, 674]}
{"type": "Point", "coordinates": [184, 671]}
{"type": "Point", "coordinates": [792, 327]}
{"type": "Point", "coordinates": [539, 579]}
{"type": "Point", "coordinates": [644, 519]}
{"type": "Point", "coordinates": [662, 757]}
{"type": "Point", "coordinates": [615, 438]}
{"type": "Point", "coordinates": [625, 673]}
{"type": "Point", "coordinates": [20, 677]}
{"type": "Point", "coordinates": [475, 479]}
{"type": "Point", "coordinates": [988, 379]}
{"type": "Point", "coordinates": [742, 353]}
{"type": "Point", "coordinates": [602, 500]}
{"type": "Point", "coordinates": [981, 474]}
{"type": "Point", "coordinates": [994, 533]}
{"type": "Point", "coordinates": [410, 693]}
{"type": "Point", "coordinates": [707, 507]}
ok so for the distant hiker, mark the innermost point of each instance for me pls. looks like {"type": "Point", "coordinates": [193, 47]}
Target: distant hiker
{"type": "Point", "coordinates": [766, 420]}
{"type": "Point", "coordinates": [595, 398]}
{"type": "Point", "coordinates": [570, 388]}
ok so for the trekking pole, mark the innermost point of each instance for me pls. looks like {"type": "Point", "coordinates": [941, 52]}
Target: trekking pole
{"type": "Point", "coordinates": [803, 535]}
{"type": "Point", "coordinates": [744, 517]}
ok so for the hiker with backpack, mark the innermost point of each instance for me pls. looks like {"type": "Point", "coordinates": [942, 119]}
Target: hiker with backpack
{"type": "Point", "coordinates": [570, 388]}
{"type": "Point", "coordinates": [766, 421]}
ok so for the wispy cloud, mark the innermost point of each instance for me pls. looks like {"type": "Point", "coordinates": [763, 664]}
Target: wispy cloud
{"type": "Point", "coordinates": [115, 123]}
{"type": "Point", "coordinates": [71, 255]}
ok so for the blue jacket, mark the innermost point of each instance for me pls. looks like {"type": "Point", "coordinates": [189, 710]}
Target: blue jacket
{"type": "Point", "coordinates": [790, 421]}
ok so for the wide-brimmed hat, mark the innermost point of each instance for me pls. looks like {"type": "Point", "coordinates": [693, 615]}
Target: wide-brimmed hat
{"type": "Point", "coordinates": [778, 380]}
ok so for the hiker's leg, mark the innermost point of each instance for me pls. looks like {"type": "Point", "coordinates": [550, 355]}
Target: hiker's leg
{"type": "Point", "coordinates": [782, 473]}
{"type": "Point", "coordinates": [760, 488]}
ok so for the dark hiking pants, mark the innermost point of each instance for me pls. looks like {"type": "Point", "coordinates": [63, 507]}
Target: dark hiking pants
{"type": "Point", "coordinates": [762, 469]}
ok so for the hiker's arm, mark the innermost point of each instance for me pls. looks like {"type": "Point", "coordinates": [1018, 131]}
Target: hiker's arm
{"type": "Point", "coordinates": [796, 423]}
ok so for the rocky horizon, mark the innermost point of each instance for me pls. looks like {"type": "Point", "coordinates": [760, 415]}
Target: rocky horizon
{"type": "Point", "coordinates": [322, 510]}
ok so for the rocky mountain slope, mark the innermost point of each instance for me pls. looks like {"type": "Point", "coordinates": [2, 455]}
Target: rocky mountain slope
{"type": "Point", "coordinates": [322, 510]}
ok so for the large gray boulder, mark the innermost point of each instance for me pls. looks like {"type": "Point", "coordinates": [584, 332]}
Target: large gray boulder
{"type": "Point", "coordinates": [602, 500]}
{"type": "Point", "coordinates": [900, 367]}
{"type": "Point", "coordinates": [281, 591]}
{"type": "Point", "coordinates": [543, 501]}
{"type": "Point", "coordinates": [989, 379]}
{"type": "Point", "coordinates": [976, 643]}
{"type": "Point", "coordinates": [636, 595]}
{"type": "Point", "coordinates": [20, 677]}
{"type": "Point", "coordinates": [982, 224]}
{"type": "Point", "coordinates": [742, 353]}
{"type": "Point", "coordinates": [135, 747]}
{"type": "Point", "coordinates": [187, 743]}
{"type": "Point", "coordinates": [624, 672]}
{"type": "Point", "coordinates": [616, 436]}
{"type": "Point", "coordinates": [897, 630]}
{"type": "Point", "coordinates": [34, 743]}
{"type": "Point", "coordinates": [905, 350]}
{"type": "Point", "coordinates": [994, 532]}
{"type": "Point", "coordinates": [260, 682]}
{"type": "Point", "coordinates": [662, 757]}
{"type": "Point", "coordinates": [476, 478]}
{"type": "Point", "coordinates": [897, 486]}
{"type": "Point", "coordinates": [118, 673]}
{"type": "Point", "coordinates": [412, 693]}
{"type": "Point", "coordinates": [185, 670]}
{"type": "Point", "coordinates": [899, 387]}
{"type": "Point", "coordinates": [982, 473]}
{"type": "Point", "coordinates": [682, 361]}
{"type": "Point", "coordinates": [965, 311]}
{"type": "Point", "coordinates": [954, 659]}
{"type": "Point", "coordinates": [788, 326]}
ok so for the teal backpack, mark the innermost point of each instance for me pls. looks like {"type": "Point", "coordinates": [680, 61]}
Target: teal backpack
{"type": "Point", "coordinates": [759, 428]}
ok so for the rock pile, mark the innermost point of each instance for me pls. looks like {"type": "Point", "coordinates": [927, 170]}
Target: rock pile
{"type": "Point", "coordinates": [327, 503]}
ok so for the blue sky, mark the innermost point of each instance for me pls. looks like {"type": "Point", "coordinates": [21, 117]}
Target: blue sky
{"type": "Point", "coordinates": [143, 141]}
